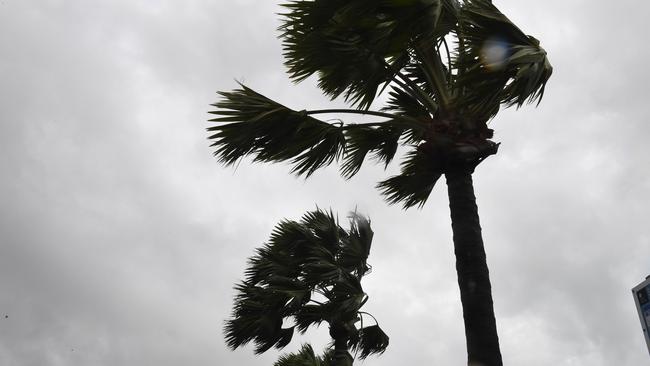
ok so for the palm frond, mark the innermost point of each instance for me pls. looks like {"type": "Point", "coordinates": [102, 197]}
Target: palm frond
{"type": "Point", "coordinates": [402, 103]}
{"type": "Point", "coordinates": [500, 64]}
{"type": "Point", "coordinates": [354, 253]}
{"type": "Point", "coordinates": [348, 297]}
{"type": "Point", "coordinates": [257, 317]}
{"type": "Point", "coordinates": [371, 340]}
{"type": "Point", "coordinates": [269, 261]}
{"type": "Point", "coordinates": [420, 172]}
{"type": "Point", "coordinates": [355, 45]}
{"type": "Point", "coordinates": [291, 237]}
{"type": "Point", "coordinates": [292, 288]}
{"type": "Point", "coordinates": [382, 141]}
{"type": "Point", "coordinates": [286, 334]}
{"type": "Point", "coordinates": [424, 51]}
{"type": "Point", "coordinates": [319, 271]}
{"type": "Point", "coordinates": [252, 124]}
{"type": "Point", "coordinates": [323, 225]}
{"type": "Point", "coordinates": [305, 357]}
{"type": "Point", "coordinates": [313, 255]}
{"type": "Point", "coordinates": [346, 286]}
{"type": "Point", "coordinates": [312, 315]}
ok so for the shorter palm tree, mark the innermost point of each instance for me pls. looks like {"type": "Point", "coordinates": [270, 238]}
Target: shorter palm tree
{"type": "Point", "coordinates": [306, 357]}
{"type": "Point", "coordinates": [308, 273]}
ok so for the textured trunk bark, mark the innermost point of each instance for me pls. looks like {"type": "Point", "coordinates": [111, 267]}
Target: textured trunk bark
{"type": "Point", "coordinates": [342, 356]}
{"type": "Point", "coordinates": [472, 270]}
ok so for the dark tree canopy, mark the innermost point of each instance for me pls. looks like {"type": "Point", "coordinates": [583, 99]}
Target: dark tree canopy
{"type": "Point", "coordinates": [447, 66]}
{"type": "Point", "coordinates": [308, 273]}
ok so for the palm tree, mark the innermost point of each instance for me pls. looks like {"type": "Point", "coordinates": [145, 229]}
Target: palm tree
{"type": "Point", "coordinates": [309, 273]}
{"type": "Point", "coordinates": [447, 66]}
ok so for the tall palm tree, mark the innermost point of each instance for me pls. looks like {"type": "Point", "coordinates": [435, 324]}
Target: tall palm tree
{"type": "Point", "coordinates": [308, 273]}
{"type": "Point", "coordinates": [447, 66]}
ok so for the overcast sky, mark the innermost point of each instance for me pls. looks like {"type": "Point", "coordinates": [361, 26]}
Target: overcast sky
{"type": "Point", "coordinates": [121, 237]}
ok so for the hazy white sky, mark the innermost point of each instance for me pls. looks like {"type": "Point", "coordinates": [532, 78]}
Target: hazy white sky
{"type": "Point", "coordinates": [121, 237]}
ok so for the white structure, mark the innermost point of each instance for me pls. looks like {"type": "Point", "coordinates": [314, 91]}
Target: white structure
{"type": "Point", "coordinates": [642, 300]}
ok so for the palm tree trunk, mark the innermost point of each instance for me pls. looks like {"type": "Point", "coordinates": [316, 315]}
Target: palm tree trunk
{"type": "Point", "coordinates": [472, 270]}
{"type": "Point", "coordinates": [339, 333]}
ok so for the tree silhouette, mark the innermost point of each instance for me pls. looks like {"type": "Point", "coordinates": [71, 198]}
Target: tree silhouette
{"type": "Point", "coordinates": [448, 66]}
{"type": "Point", "coordinates": [308, 273]}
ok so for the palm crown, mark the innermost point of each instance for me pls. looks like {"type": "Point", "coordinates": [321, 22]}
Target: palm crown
{"type": "Point", "coordinates": [447, 65]}
{"type": "Point", "coordinates": [308, 273]}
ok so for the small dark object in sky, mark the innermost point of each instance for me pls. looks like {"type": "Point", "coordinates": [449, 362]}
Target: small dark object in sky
{"type": "Point", "coordinates": [6, 316]}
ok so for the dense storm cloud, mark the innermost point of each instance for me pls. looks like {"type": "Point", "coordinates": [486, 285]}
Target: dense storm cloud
{"type": "Point", "coordinates": [121, 237]}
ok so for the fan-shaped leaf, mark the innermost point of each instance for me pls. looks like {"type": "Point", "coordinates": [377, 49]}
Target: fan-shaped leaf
{"type": "Point", "coordinates": [356, 45]}
{"type": "Point", "coordinates": [357, 246]}
{"type": "Point", "coordinates": [371, 340]}
{"type": "Point", "coordinates": [310, 314]}
{"type": "Point", "coordinates": [252, 124]}
{"type": "Point", "coordinates": [420, 172]}
{"type": "Point", "coordinates": [382, 141]}
{"type": "Point", "coordinates": [499, 64]}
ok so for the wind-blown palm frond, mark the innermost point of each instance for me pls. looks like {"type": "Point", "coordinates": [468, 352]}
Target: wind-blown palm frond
{"type": "Point", "coordinates": [356, 45]}
{"type": "Point", "coordinates": [500, 64]}
{"type": "Point", "coordinates": [408, 124]}
{"type": "Point", "coordinates": [252, 124]}
{"type": "Point", "coordinates": [312, 256]}
{"type": "Point", "coordinates": [371, 340]}
{"type": "Point", "coordinates": [306, 357]}
{"type": "Point", "coordinates": [257, 317]}
{"type": "Point", "coordinates": [312, 315]}
{"type": "Point", "coordinates": [354, 253]}
{"type": "Point", "coordinates": [381, 141]}
{"type": "Point", "coordinates": [402, 103]}
{"type": "Point", "coordinates": [349, 297]}
{"type": "Point", "coordinates": [420, 172]}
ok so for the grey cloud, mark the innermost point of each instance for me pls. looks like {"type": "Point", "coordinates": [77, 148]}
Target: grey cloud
{"type": "Point", "coordinates": [120, 237]}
